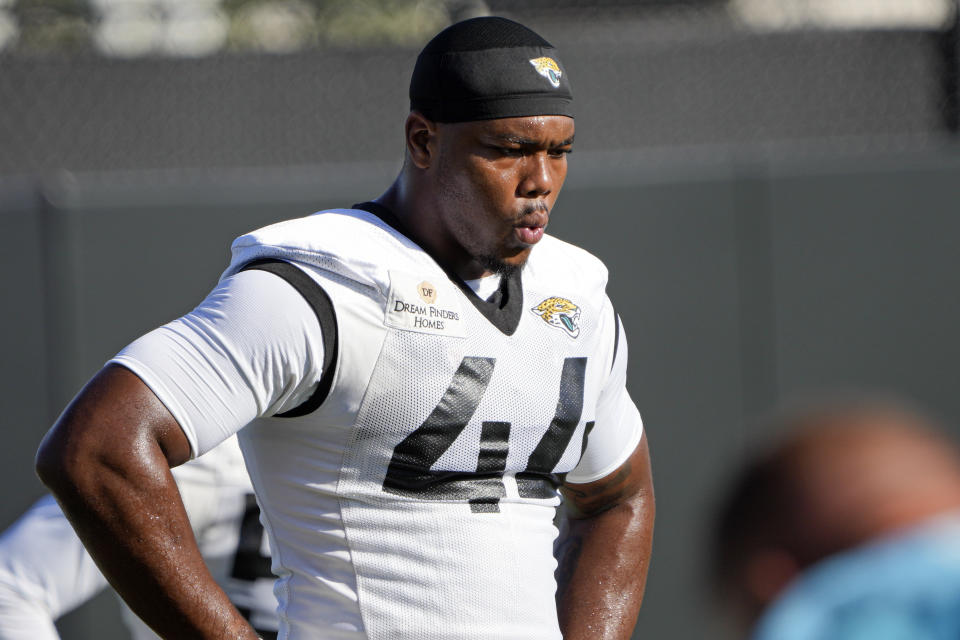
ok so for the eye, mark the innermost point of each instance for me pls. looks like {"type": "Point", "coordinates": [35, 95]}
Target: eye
{"type": "Point", "coordinates": [559, 153]}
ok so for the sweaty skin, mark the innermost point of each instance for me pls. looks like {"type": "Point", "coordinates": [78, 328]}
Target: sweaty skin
{"type": "Point", "coordinates": [604, 557]}
{"type": "Point", "coordinates": [107, 459]}
{"type": "Point", "coordinates": [477, 195]}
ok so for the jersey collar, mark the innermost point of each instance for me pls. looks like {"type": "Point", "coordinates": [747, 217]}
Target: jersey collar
{"type": "Point", "coordinates": [502, 309]}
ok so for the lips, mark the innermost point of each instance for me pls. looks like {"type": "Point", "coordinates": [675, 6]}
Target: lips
{"type": "Point", "coordinates": [529, 235]}
{"type": "Point", "coordinates": [530, 229]}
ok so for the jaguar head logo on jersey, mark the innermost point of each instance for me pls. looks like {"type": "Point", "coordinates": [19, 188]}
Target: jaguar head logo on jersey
{"type": "Point", "coordinates": [427, 292]}
{"type": "Point", "coordinates": [561, 314]}
{"type": "Point", "coordinates": [549, 69]}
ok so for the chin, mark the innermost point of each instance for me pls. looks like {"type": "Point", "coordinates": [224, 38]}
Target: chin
{"type": "Point", "coordinates": [504, 267]}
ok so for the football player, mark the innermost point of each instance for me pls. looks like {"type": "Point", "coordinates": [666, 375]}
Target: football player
{"type": "Point", "coordinates": [415, 380]}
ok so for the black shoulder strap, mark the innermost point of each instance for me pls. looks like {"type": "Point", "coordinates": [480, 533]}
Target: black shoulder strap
{"type": "Point", "coordinates": [322, 306]}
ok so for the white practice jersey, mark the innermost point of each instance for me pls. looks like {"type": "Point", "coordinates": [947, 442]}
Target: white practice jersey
{"type": "Point", "coordinates": [45, 570]}
{"type": "Point", "coordinates": [406, 449]}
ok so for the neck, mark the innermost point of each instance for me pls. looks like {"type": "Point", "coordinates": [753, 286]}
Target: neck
{"type": "Point", "coordinates": [420, 218]}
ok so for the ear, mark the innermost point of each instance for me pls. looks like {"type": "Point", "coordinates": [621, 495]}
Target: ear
{"type": "Point", "coordinates": [420, 137]}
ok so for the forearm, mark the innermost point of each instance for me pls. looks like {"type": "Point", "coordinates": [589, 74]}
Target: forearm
{"type": "Point", "coordinates": [114, 484]}
{"type": "Point", "coordinates": [602, 572]}
{"type": "Point", "coordinates": [139, 535]}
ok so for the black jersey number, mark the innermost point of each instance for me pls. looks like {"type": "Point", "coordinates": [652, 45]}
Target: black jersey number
{"type": "Point", "coordinates": [409, 472]}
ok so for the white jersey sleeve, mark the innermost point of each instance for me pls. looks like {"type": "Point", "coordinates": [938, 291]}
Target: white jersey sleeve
{"type": "Point", "coordinates": [44, 572]}
{"type": "Point", "coordinates": [618, 428]}
{"type": "Point", "coordinates": [252, 348]}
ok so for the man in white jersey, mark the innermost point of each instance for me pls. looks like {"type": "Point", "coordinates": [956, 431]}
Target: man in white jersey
{"type": "Point", "coordinates": [45, 572]}
{"type": "Point", "coordinates": [415, 381]}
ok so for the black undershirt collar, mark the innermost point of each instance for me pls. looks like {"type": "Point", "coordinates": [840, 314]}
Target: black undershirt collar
{"type": "Point", "coordinates": [502, 309]}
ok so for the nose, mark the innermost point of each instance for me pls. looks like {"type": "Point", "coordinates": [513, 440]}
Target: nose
{"type": "Point", "coordinates": [539, 177]}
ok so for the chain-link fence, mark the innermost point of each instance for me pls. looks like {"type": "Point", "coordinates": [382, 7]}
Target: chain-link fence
{"type": "Point", "coordinates": [120, 84]}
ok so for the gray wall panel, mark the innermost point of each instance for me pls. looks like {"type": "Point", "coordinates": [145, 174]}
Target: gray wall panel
{"type": "Point", "coordinates": [867, 280]}
{"type": "Point", "coordinates": [23, 371]}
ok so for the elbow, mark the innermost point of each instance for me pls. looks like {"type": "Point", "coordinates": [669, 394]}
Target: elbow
{"type": "Point", "coordinates": [71, 455]}
{"type": "Point", "coordinates": [56, 463]}
{"type": "Point", "coordinates": [638, 511]}
{"type": "Point", "coordinates": [78, 444]}
{"type": "Point", "coordinates": [642, 509]}
{"type": "Point", "coordinates": [106, 438]}
{"type": "Point", "coordinates": [645, 502]}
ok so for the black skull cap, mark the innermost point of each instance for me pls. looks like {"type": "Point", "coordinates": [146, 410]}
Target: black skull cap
{"type": "Point", "coordinates": [486, 68]}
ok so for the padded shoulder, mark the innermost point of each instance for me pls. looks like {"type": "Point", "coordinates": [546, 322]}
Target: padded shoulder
{"type": "Point", "coordinates": [352, 243]}
{"type": "Point", "coordinates": [360, 246]}
{"type": "Point", "coordinates": [554, 262]}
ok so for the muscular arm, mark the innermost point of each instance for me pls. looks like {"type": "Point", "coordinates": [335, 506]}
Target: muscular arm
{"type": "Point", "coordinates": [604, 557]}
{"type": "Point", "coordinates": [107, 460]}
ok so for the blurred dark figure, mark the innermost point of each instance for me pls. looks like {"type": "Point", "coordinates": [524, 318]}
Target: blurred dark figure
{"type": "Point", "coordinates": [848, 528]}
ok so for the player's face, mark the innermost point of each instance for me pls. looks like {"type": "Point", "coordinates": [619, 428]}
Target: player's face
{"type": "Point", "coordinates": [497, 182]}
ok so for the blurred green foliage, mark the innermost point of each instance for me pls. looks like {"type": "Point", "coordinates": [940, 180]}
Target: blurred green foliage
{"type": "Point", "coordinates": [52, 25]}
{"type": "Point", "coordinates": [69, 26]}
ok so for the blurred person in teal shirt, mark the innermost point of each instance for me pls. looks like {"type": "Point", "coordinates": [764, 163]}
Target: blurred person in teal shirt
{"type": "Point", "coordinates": [846, 528]}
